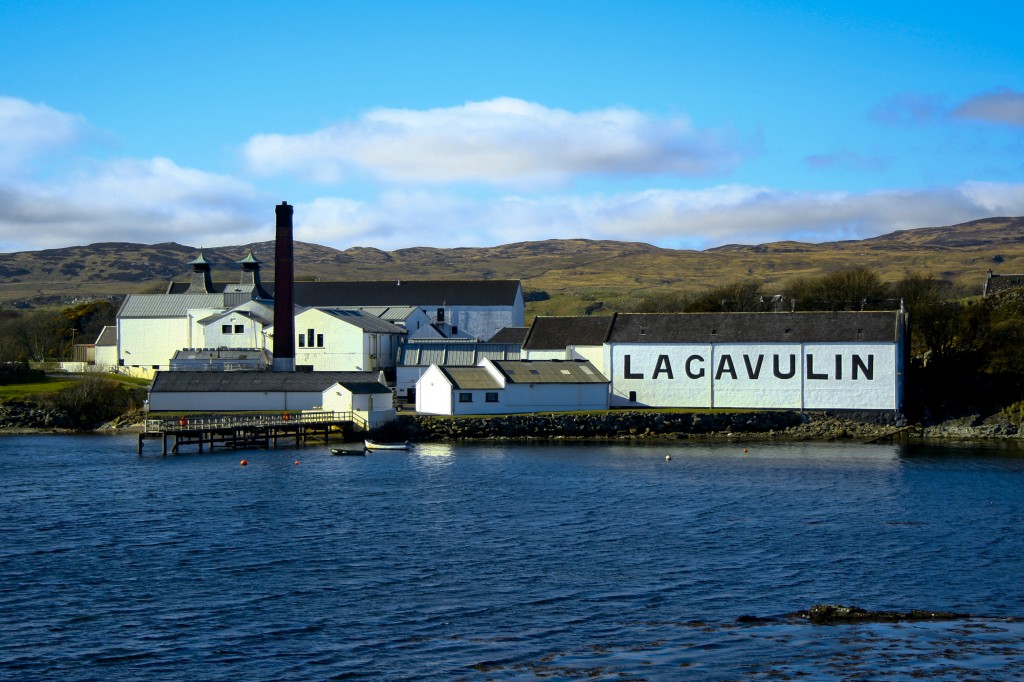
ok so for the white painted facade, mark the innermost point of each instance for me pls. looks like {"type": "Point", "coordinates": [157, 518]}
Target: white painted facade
{"type": "Point", "coordinates": [332, 341]}
{"type": "Point", "coordinates": [488, 390]}
{"type": "Point", "coordinates": [371, 410]}
{"type": "Point", "coordinates": [811, 376]}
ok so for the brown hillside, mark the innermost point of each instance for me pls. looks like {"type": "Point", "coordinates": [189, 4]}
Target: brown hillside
{"type": "Point", "coordinates": [568, 276]}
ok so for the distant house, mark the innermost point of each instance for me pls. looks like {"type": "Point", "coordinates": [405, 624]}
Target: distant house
{"type": "Point", "coordinates": [248, 391]}
{"type": "Point", "coordinates": [997, 283]}
{"type": "Point", "coordinates": [512, 386]}
{"type": "Point", "coordinates": [106, 349]}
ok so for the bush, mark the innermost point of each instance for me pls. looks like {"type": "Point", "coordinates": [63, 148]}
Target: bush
{"type": "Point", "coordinates": [94, 400]}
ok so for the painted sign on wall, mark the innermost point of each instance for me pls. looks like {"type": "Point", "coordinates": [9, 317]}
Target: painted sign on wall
{"type": "Point", "coordinates": [815, 376]}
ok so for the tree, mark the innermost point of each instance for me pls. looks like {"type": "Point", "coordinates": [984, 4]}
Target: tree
{"type": "Point", "coordinates": [735, 297]}
{"type": "Point", "coordinates": [857, 288]}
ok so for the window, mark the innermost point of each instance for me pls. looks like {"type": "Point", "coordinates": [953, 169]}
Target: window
{"type": "Point", "coordinates": [302, 340]}
{"type": "Point", "coordinates": [225, 329]}
{"type": "Point", "coordinates": [465, 397]}
{"type": "Point", "coordinates": [319, 340]}
{"type": "Point", "coordinates": [632, 396]}
{"type": "Point", "coordinates": [491, 397]}
{"type": "Point", "coordinates": [239, 329]}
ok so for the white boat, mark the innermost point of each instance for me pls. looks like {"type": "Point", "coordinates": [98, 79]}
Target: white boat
{"type": "Point", "coordinates": [374, 445]}
{"type": "Point", "coordinates": [351, 452]}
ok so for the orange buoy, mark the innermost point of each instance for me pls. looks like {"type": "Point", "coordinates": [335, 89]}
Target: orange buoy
{"type": "Point", "coordinates": [244, 462]}
{"type": "Point", "coordinates": [183, 422]}
{"type": "Point", "coordinates": [285, 416]}
{"type": "Point", "coordinates": [744, 450]}
{"type": "Point", "coordinates": [296, 461]}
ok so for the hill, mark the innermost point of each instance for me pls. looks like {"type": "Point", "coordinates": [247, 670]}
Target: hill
{"type": "Point", "coordinates": [559, 276]}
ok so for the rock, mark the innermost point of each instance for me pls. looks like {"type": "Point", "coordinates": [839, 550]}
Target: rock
{"type": "Point", "coordinates": [834, 614]}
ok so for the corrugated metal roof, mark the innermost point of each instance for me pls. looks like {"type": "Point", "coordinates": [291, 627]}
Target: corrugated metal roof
{"type": "Point", "coordinates": [805, 327]}
{"type": "Point", "coordinates": [307, 382]}
{"type": "Point", "coordinates": [550, 372]}
{"type": "Point", "coordinates": [167, 305]}
{"type": "Point", "coordinates": [470, 378]}
{"type": "Point", "coordinates": [417, 353]}
{"type": "Point", "coordinates": [390, 313]}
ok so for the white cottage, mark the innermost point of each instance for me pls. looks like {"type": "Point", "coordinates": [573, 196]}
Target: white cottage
{"type": "Point", "coordinates": [512, 386]}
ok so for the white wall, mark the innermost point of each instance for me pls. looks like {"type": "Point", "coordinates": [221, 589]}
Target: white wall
{"type": "Point", "coordinates": [434, 392]}
{"type": "Point", "coordinates": [154, 341]}
{"type": "Point", "coordinates": [555, 397]}
{"type": "Point", "coordinates": [770, 376]}
{"type": "Point", "coordinates": [238, 400]}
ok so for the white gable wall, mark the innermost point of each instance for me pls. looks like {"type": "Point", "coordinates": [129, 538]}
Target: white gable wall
{"type": "Point", "coordinates": [434, 392]}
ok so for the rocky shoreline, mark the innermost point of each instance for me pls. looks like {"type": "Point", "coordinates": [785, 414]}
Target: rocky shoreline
{"type": "Point", "coordinates": [785, 425]}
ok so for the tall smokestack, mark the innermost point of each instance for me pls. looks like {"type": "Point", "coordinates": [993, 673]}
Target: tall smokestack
{"type": "Point", "coordinates": [284, 283]}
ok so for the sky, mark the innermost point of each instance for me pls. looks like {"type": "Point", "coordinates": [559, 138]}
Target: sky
{"type": "Point", "coordinates": [398, 124]}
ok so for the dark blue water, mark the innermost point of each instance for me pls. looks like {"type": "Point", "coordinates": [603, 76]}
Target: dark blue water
{"type": "Point", "coordinates": [514, 562]}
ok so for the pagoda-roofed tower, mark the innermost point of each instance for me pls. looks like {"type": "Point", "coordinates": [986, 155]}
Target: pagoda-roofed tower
{"type": "Point", "coordinates": [250, 278]}
{"type": "Point", "coordinates": [202, 281]}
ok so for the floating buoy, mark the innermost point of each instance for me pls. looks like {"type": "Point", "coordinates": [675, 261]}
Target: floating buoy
{"type": "Point", "coordinates": [296, 461]}
{"type": "Point", "coordinates": [744, 450]}
{"type": "Point", "coordinates": [244, 462]}
{"type": "Point", "coordinates": [668, 458]}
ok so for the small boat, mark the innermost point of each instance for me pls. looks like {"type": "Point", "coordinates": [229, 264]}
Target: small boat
{"type": "Point", "coordinates": [374, 445]}
{"type": "Point", "coordinates": [351, 452]}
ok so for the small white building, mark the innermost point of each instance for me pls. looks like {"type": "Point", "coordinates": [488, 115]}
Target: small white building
{"type": "Point", "coordinates": [416, 356]}
{"type": "Point", "coordinates": [512, 386]}
{"type": "Point", "coordinates": [370, 402]}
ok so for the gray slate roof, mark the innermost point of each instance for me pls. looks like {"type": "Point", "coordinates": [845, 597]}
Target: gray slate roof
{"type": "Point", "coordinates": [803, 327]}
{"type": "Point", "coordinates": [516, 335]}
{"type": "Point", "coordinates": [107, 337]}
{"type": "Point", "coordinates": [551, 333]}
{"type": "Point", "coordinates": [300, 382]}
{"type": "Point", "coordinates": [395, 292]}
{"type": "Point", "coordinates": [469, 378]}
{"type": "Point", "coordinates": [365, 321]}
{"type": "Point", "coordinates": [550, 372]}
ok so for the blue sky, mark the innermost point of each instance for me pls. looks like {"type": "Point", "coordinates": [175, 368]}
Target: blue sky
{"type": "Point", "coordinates": [398, 124]}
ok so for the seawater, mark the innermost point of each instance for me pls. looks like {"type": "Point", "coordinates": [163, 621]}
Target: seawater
{"type": "Point", "coordinates": [507, 562]}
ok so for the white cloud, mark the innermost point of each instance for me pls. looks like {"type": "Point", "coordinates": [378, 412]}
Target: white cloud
{"type": "Point", "coordinates": [27, 130]}
{"type": "Point", "coordinates": [503, 141]}
{"type": "Point", "coordinates": [1002, 106]}
{"type": "Point", "coordinates": [675, 218]}
{"type": "Point", "coordinates": [145, 201]}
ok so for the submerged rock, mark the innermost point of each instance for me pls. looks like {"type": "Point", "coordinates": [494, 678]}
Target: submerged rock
{"type": "Point", "coordinates": [833, 614]}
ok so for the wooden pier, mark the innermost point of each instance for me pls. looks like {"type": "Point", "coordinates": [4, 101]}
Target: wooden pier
{"type": "Point", "coordinates": [246, 432]}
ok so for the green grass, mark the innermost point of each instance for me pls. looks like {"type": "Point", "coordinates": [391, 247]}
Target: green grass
{"type": "Point", "coordinates": [53, 384]}
{"type": "Point", "coordinates": [22, 391]}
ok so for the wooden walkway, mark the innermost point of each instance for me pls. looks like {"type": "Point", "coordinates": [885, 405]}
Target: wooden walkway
{"type": "Point", "coordinates": [249, 432]}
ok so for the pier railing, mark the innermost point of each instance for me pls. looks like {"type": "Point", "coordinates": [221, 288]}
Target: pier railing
{"type": "Point", "coordinates": [209, 422]}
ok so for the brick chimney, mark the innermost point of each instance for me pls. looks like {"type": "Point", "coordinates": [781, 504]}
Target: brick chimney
{"type": "Point", "coordinates": [284, 284]}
